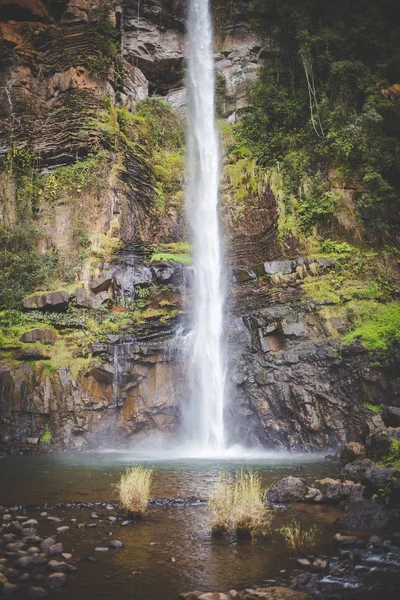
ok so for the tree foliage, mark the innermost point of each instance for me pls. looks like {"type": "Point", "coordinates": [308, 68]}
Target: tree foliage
{"type": "Point", "coordinates": [328, 97]}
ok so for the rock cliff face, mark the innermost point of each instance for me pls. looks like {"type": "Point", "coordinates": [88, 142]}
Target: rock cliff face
{"type": "Point", "coordinates": [292, 385]}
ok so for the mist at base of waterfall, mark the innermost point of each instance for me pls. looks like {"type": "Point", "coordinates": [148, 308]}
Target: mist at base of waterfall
{"type": "Point", "coordinates": [158, 449]}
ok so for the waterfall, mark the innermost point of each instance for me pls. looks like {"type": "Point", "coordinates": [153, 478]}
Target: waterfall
{"type": "Point", "coordinates": [207, 356]}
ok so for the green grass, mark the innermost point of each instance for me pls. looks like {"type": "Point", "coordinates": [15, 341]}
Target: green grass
{"type": "Point", "coordinates": [298, 538]}
{"type": "Point", "coordinates": [174, 252]}
{"type": "Point", "coordinates": [376, 325]}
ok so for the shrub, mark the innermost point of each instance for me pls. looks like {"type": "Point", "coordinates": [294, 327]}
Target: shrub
{"type": "Point", "coordinates": [239, 505]}
{"type": "Point", "coordinates": [298, 539]}
{"type": "Point", "coordinates": [331, 247]}
{"type": "Point", "coordinates": [46, 437]}
{"type": "Point", "coordinates": [134, 490]}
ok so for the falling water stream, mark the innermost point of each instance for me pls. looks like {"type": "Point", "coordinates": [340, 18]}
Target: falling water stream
{"type": "Point", "coordinates": [205, 419]}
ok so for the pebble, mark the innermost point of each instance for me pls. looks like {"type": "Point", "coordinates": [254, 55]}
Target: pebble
{"type": "Point", "coordinates": [7, 518]}
{"type": "Point", "coordinates": [24, 561]}
{"type": "Point", "coordinates": [30, 523]}
{"type": "Point", "coordinates": [81, 526]}
{"type": "Point", "coordinates": [37, 592]}
{"type": "Point", "coordinates": [116, 544]}
{"type": "Point", "coordinates": [56, 580]}
{"type": "Point", "coordinates": [54, 519]}
{"type": "Point", "coordinates": [40, 559]}
{"type": "Point", "coordinates": [61, 567]}
{"type": "Point", "coordinates": [33, 550]}
{"type": "Point", "coordinates": [24, 577]}
{"type": "Point", "coordinates": [112, 519]}
{"type": "Point", "coordinates": [94, 516]}
{"type": "Point", "coordinates": [345, 540]}
{"type": "Point", "coordinates": [92, 525]}
{"type": "Point", "coordinates": [47, 543]}
{"type": "Point", "coordinates": [66, 556]}
{"type": "Point", "coordinates": [14, 546]}
{"type": "Point", "coordinates": [126, 523]}
{"type": "Point", "coordinates": [64, 529]}
{"type": "Point", "coordinates": [304, 562]}
{"type": "Point", "coordinates": [101, 549]}
{"type": "Point", "coordinates": [44, 514]}
{"type": "Point", "coordinates": [56, 549]}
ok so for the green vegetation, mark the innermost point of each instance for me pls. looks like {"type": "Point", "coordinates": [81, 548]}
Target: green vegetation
{"type": "Point", "coordinates": [134, 490]}
{"type": "Point", "coordinates": [239, 505]}
{"type": "Point", "coordinates": [299, 539]}
{"type": "Point", "coordinates": [392, 458]}
{"type": "Point", "coordinates": [22, 267]}
{"type": "Point", "coordinates": [155, 131]}
{"type": "Point", "coordinates": [46, 437]}
{"type": "Point", "coordinates": [376, 325]}
{"type": "Point", "coordinates": [376, 408]}
{"type": "Point", "coordinates": [99, 65]}
{"type": "Point", "coordinates": [175, 252]}
{"type": "Point", "coordinates": [324, 111]}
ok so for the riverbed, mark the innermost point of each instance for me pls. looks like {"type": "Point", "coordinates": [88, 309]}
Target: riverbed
{"type": "Point", "coordinates": [172, 549]}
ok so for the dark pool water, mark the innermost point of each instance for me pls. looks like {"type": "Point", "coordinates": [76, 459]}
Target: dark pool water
{"type": "Point", "coordinates": [172, 549]}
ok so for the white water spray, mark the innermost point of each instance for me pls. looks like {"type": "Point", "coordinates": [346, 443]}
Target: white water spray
{"type": "Point", "coordinates": [207, 364]}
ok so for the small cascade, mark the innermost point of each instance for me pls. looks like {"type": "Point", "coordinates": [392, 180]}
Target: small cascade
{"type": "Point", "coordinates": [207, 372]}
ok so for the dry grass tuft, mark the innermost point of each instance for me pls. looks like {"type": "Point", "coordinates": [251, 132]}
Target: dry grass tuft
{"type": "Point", "coordinates": [314, 268]}
{"type": "Point", "coordinates": [240, 505]}
{"type": "Point", "coordinates": [278, 278]}
{"type": "Point", "coordinates": [301, 271]}
{"type": "Point", "coordinates": [298, 539]}
{"type": "Point", "coordinates": [134, 490]}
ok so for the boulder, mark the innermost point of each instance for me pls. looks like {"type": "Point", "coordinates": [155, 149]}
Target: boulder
{"type": "Point", "coordinates": [391, 416]}
{"type": "Point", "coordinates": [278, 266]}
{"type": "Point", "coordinates": [97, 300]}
{"type": "Point", "coordinates": [243, 275]}
{"type": "Point", "coordinates": [81, 297]}
{"type": "Point", "coordinates": [33, 441]}
{"type": "Point", "coordinates": [379, 443]}
{"type": "Point", "coordinates": [294, 329]}
{"type": "Point", "coordinates": [57, 301]}
{"type": "Point", "coordinates": [354, 471]}
{"type": "Point", "coordinates": [47, 336]}
{"type": "Point", "coordinates": [164, 274]}
{"type": "Point", "coordinates": [379, 478]}
{"type": "Point", "coordinates": [368, 516]}
{"type": "Point", "coordinates": [288, 489]}
{"type": "Point", "coordinates": [336, 491]}
{"type": "Point", "coordinates": [351, 452]}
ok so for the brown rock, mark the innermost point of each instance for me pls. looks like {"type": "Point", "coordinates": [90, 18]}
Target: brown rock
{"type": "Point", "coordinates": [351, 452]}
